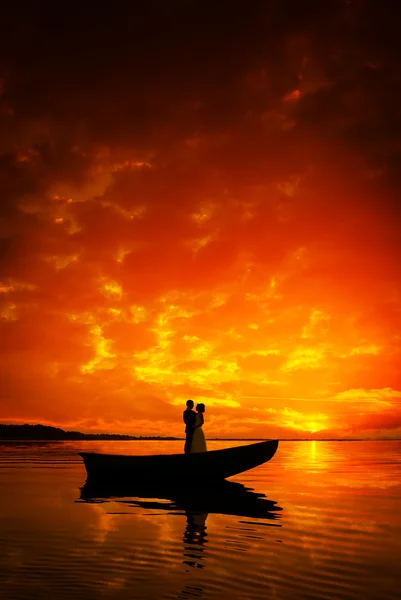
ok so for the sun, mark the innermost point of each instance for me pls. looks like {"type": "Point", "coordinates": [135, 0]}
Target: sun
{"type": "Point", "coordinates": [313, 427]}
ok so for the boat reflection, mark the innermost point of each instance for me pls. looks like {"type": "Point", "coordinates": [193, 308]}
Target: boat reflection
{"type": "Point", "coordinates": [196, 503]}
{"type": "Point", "coordinates": [224, 497]}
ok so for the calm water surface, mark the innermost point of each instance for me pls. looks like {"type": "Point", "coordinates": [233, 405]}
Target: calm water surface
{"type": "Point", "coordinates": [323, 521]}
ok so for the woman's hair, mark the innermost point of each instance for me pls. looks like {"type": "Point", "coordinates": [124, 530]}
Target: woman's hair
{"type": "Point", "coordinates": [200, 407]}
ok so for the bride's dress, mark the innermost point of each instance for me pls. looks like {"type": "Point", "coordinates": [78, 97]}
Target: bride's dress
{"type": "Point", "coordinates": [198, 439]}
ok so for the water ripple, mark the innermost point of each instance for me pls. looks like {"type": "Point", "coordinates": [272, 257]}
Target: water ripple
{"type": "Point", "coordinates": [320, 521]}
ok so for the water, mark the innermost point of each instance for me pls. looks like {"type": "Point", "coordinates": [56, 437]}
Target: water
{"type": "Point", "coordinates": [328, 527]}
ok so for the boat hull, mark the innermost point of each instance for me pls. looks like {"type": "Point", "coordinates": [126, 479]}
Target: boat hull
{"type": "Point", "coordinates": [215, 464]}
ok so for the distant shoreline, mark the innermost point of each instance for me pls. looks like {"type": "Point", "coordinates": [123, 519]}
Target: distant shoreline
{"type": "Point", "coordinates": [99, 438]}
{"type": "Point", "coordinates": [47, 433]}
{"type": "Point", "coordinates": [111, 438]}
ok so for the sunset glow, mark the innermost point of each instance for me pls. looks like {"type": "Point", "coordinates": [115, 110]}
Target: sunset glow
{"type": "Point", "coordinates": [221, 224]}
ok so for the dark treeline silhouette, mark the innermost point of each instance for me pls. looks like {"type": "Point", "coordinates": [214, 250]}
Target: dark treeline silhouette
{"type": "Point", "coordinates": [46, 432]}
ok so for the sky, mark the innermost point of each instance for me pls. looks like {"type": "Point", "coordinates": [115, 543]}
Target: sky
{"type": "Point", "coordinates": [201, 200]}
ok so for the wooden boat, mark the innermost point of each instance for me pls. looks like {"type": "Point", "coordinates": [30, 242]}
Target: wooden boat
{"type": "Point", "coordinates": [212, 465]}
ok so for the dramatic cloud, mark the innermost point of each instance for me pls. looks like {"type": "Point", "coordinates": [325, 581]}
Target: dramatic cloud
{"type": "Point", "coordinates": [201, 203]}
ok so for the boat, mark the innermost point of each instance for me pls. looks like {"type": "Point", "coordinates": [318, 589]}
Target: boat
{"type": "Point", "coordinates": [223, 497]}
{"type": "Point", "coordinates": [212, 465]}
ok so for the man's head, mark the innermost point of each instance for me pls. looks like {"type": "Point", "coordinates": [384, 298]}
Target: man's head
{"type": "Point", "coordinates": [190, 404]}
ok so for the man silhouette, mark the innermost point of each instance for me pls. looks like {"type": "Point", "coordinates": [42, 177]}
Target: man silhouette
{"type": "Point", "coordinates": [189, 416]}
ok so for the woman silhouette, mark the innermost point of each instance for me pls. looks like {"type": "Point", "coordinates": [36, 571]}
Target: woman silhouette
{"type": "Point", "coordinates": [198, 439]}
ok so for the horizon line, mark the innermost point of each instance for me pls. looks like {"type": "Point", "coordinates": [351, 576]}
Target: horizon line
{"type": "Point", "coordinates": [174, 438]}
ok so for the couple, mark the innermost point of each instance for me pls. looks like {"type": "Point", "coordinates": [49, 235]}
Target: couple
{"type": "Point", "coordinates": [194, 436]}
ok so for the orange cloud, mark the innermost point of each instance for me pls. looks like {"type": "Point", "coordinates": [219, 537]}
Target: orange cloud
{"type": "Point", "coordinates": [231, 237]}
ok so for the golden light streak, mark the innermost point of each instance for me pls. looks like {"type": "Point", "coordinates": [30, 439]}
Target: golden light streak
{"type": "Point", "coordinates": [318, 323]}
{"type": "Point", "coordinates": [112, 290]}
{"type": "Point", "coordinates": [305, 358]}
{"type": "Point", "coordinates": [290, 187]}
{"type": "Point", "coordinates": [205, 213]}
{"type": "Point", "coordinates": [131, 164]}
{"type": "Point", "coordinates": [9, 312]}
{"type": "Point", "coordinates": [61, 262]}
{"type": "Point", "coordinates": [121, 254]}
{"type": "Point", "coordinates": [199, 243]}
{"type": "Point", "coordinates": [136, 212]}
{"type": "Point", "coordinates": [103, 355]}
{"type": "Point", "coordinates": [377, 396]}
{"type": "Point", "coordinates": [360, 350]}
{"type": "Point", "coordinates": [85, 318]}
{"type": "Point", "coordinates": [7, 287]}
{"type": "Point", "coordinates": [138, 314]}
{"type": "Point", "coordinates": [292, 96]}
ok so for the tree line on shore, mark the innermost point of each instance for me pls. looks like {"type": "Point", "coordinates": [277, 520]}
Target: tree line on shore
{"type": "Point", "coordinates": [47, 432]}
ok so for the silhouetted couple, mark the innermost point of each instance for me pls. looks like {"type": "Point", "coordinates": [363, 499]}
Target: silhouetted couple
{"type": "Point", "coordinates": [194, 436]}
